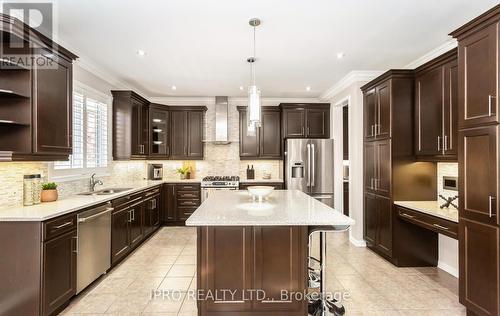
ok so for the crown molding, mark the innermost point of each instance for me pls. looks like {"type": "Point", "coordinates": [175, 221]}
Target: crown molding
{"type": "Point", "coordinates": [349, 79]}
{"type": "Point", "coordinates": [232, 100]}
{"type": "Point", "coordinates": [438, 51]}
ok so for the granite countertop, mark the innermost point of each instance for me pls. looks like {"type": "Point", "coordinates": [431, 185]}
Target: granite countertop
{"type": "Point", "coordinates": [283, 208]}
{"type": "Point", "coordinates": [45, 211]}
{"type": "Point", "coordinates": [261, 180]}
{"type": "Point", "coordinates": [431, 208]}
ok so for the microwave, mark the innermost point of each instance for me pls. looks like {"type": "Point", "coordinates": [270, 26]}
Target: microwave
{"type": "Point", "coordinates": [450, 183]}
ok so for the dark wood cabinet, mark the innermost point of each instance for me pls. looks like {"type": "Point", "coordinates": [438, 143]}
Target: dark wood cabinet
{"type": "Point", "coordinates": [436, 108]}
{"type": "Point", "coordinates": [479, 223]}
{"type": "Point", "coordinates": [158, 131]}
{"type": "Point", "coordinates": [181, 201]}
{"type": "Point", "coordinates": [152, 210]}
{"type": "Point", "coordinates": [267, 141]}
{"type": "Point", "coordinates": [186, 132]}
{"type": "Point", "coordinates": [130, 125]}
{"type": "Point", "coordinates": [378, 107]}
{"type": "Point", "coordinates": [345, 132]}
{"type": "Point", "coordinates": [120, 240]}
{"type": "Point", "coordinates": [36, 102]}
{"type": "Point", "coordinates": [58, 272]}
{"type": "Point", "coordinates": [136, 232]}
{"type": "Point", "coordinates": [378, 167]}
{"type": "Point", "coordinates": [239, 258]}
{"type": "Point", "coordinates": [53, 95]}
{"type": "Point", "coordinates": [378, 223]}
{"type": "Point", "coordinates": [370, 219]}
{"type": "Point", "coordinates": [370, 113]}
{"type": "Point", "coordinates": [305, 120]}
{"type": "Point", "coordinates": [478, 174]}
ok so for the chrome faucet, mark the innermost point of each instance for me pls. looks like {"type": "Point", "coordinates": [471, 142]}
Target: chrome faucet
{"type": "Point", "coordinates": [94, 182]}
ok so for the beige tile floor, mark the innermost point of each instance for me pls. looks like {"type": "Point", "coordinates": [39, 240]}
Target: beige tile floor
{"type": "Point", "coordinates": [168, 261]}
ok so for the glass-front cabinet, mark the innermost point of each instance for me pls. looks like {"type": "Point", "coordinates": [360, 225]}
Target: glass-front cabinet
{"type": "Point", "coordinates": [158, 125]}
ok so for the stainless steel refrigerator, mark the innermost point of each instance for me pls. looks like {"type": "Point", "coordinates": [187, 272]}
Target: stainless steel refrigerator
{"type": "Point", "coordinates": [309, 167]}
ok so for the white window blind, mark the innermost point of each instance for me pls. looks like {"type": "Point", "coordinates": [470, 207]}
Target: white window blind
{"type": "Point", "coordinates": [90, 133]}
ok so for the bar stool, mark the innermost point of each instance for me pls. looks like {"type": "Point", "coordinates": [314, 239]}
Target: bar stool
{"type": "Point", "coordinates": [322, 306]}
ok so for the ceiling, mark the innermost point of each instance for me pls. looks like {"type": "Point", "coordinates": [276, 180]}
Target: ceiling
{"type": "Point", "coordinates": [201, 46]}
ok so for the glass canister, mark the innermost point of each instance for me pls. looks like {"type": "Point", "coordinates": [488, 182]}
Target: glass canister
{"type": "Point", "coordinates": [37, 188]}
{"type": "Point", "coordinates": [28, 189]}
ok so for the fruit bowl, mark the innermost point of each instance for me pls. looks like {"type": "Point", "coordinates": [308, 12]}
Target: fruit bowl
{"type": "Point", "coordinates": [260, 192]}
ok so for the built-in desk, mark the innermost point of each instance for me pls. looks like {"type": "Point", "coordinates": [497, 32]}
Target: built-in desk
{"type": "Point", "coordinates": [429, 215]}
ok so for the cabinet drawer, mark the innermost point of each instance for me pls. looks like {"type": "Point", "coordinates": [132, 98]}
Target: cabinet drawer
{"type": "Point", "coordinates": [189, 203]}
{"type": "Point", "coordinates": [184, 212]}
{"type": "Point", "coordinates": [188, 187]}
{"type": "Point", "coordinates": [124, 201]}
{"type": "Point", "coordinates": [188, 195]}
{"type": "Point", "coordinates": [58, 226]}
{"type": "Point", "coordinates": [151, 192]}
{"type": "Point", "coordinates": [433, 223]}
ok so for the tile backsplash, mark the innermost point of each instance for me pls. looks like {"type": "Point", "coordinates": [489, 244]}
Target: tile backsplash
{"type": "Point", "coordinates": [446, 169]}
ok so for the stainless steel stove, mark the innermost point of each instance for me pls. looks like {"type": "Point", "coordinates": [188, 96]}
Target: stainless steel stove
{"type": "Point", "coordinates": [215, 183]}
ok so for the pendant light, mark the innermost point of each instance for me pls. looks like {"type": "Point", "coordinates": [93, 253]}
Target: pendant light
{"type": "Point", "coordinates": [254, 110]}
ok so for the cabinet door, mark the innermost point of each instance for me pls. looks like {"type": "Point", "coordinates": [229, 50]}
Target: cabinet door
{"type": "Point", "coordinates": [138, 150]}
{"type": "Point", "coordinates": [178, 137]}
{"type": "Point", "coordinates": [226, 264]}
{"type": "Point", "coordinates": [371, 218]}
{"type": "Point", "coordinates": [384, 226]}
{"type": "Point", "coordinates": [155, 212]}
{"type": "Point", "coordinates": [294, 123]}
{"type": "Point", "coordinates": [249, 145]}
{"type": "Point", "coordinates": [158, 126]}
{"type": "Point", "coordinates": [53, 99]}
{"type": "Point", "coordinates": [478, 59]}
{"type": "Point", "coordinates": [383, 166]}
{"type": "Point", "coordinates": [270, 135]}
{"type": "Point", "coordinates": [279, 253]}
{"type": "Point", "coordinates": [144, 125]}
{"type": "Point", "coordinates": [383, 121]}
{"type": "Point", "coordinates": [370, 166]}
{"type": "Point", "coordinates": [370, 110]}
{"type": "Point", "coordinates": [195, 134]}
{"type": "Point", "coordinates": [169, 203]}
{"type": "Point", "coordinates": [59, 271]}
{"type": "Point", "coordinates": [318, 123]}
{"type": "Point", "coordinates": [136, 224]}
{"type": "Point", "coordinates": [478, 174]}
{"type": "Point", "coordinates": [479, 267]}
{"type": "Point", "coordinates": [429, 113]}
{"type": "Point", "coordinates": [450, 109]}
{"type": "Point", "coordinates": [120, 241]}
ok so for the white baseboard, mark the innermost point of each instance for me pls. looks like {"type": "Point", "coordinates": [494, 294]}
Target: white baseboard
{"type": "Point", "coordinates": [357, 242]}
{"type": "Point", "coordinates": [447, 268]}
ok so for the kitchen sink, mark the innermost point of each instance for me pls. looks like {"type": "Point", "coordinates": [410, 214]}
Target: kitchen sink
{"type": "Point", "coordinates": [105, 191]}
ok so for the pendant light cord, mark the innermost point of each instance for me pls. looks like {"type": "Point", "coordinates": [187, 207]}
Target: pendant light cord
{"type": "Point", "coordinates": [255, 58]}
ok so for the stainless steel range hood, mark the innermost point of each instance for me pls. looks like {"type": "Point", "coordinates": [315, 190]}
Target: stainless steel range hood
{"type": "Point", "coordinates": [221, 121]}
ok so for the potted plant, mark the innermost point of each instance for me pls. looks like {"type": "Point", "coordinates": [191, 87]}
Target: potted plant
{"type": "Point", "coordinates": [49, 192]}
{"type": "Point", "coordinates": [184, 172]}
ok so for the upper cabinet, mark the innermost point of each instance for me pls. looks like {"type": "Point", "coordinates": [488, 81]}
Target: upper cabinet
{"type": "Point", "coordinates": [436, 108]}
{"type": "Point", "coordinates": [130, 126]}
{"type": "Point", "coordinates": [158, 131]}
{"type": "Point", "coordinates": [479, 65]}
{"type": "Point", "coordinates": [305, 120]}
{"type": "Point", "coordinates": [35, 102]}
{"type": "Point", "coordinates": [186, 132]}
{"type": "Point", "coordinates": [267, 141]}
{"type": "Point", "coordinates": [377, 103]}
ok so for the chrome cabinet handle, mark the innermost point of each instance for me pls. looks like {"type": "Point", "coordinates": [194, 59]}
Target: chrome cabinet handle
{"type": "Point", "coordinates": [439, 226]}
{"type": "Point", "coordinates": [64, 225]}
{"type": "Point", "coordinates": [378, 128]}
{"type": "Point", "coordinates": [406, 215]}
{"type": "Point", "coordinates": [313, 158]}
{"type": "Point", "coordinates": [373, 131]}
{"type": "Point", "coordinates": [439, 143]}
{"type": "Point", "coordinates": [445, 143]}
{"type": "Point", "coordinates": [490, 202]}
{"type": "Point", "coordinates": [76, 244]}
{"type": "Point", "coordinates": [376, 183]}
{"type": "Point", "coordinates": [308, 165]}
{"type": "Point", "coordinates": [303, 131]}
{"type": "Point", "coordinates": [490, 105]}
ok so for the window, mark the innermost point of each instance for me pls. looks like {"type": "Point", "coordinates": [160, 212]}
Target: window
{"type": "Point", "coordinates": [90, 131]}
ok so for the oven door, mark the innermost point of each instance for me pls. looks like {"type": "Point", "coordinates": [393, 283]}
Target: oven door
{"type": "Point", "coordinates": [206, 192]}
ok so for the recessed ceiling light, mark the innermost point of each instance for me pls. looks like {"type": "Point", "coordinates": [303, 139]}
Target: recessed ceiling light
{"type": "Point", "coordinates": [308, 88]}
{"type": "Point", "coordinates": [174, 88]}
{"type": "Point", "coordinates": [141, 53]}
{"type": "Point", "coordinates": [340, 55]}
{"type": "Point", "coordinates": [241, 88]}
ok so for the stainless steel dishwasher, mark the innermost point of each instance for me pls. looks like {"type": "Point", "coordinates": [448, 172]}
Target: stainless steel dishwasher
{"type": "Point", "coordinates": [94, 245]}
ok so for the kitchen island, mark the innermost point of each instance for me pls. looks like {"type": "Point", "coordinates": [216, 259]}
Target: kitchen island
{"type": "Point", "coordinates": [252, 257]}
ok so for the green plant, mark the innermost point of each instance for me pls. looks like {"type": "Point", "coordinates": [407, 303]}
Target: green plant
{"type": "Point", "coordinates": [49, 186]}
{"type": "Point", "coordinates": [183, 170]}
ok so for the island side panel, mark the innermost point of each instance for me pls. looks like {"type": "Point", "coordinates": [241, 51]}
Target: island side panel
{"type": "Point", "coordinates": [270, 258]}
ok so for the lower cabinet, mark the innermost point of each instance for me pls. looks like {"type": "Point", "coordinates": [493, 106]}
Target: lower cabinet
{"type": "Point", "coordinates": [120, 242]}
{"type": "Point", "coordinates": [245, 258]}
{"type": "Point", "coordinates": [180, 201]}
{"type": "Point", "coordinates": [152, 212]}
{"type": "Point", "coordinates": [136, 224]}
{"type": "Point", "coordinates": [378, 223]}
{"type": "Point", "coordinates": [58, 271]}
{"type": "Point", "coordinates": [479, 267]}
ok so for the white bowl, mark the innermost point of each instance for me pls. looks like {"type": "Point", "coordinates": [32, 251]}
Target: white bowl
{"type": "Point", "coordinates": [260, 192]}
